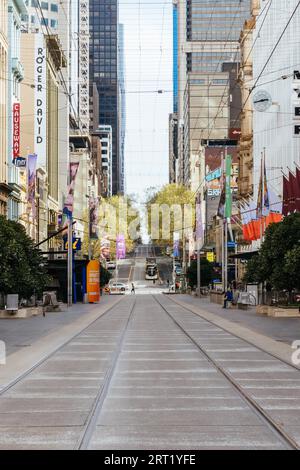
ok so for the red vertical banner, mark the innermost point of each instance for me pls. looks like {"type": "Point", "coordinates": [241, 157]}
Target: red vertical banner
{"type": "Point", "coordinates": [16, 130]}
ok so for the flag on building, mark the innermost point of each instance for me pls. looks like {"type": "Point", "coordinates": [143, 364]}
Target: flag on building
{"type": "Point", "coordinates": [287, 194]}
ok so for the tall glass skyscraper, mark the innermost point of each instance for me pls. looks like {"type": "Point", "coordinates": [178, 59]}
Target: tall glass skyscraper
{"type": "Point", "coordinates": [220, 20]}
{"type": "Point", "coordinates": [104, 72]}
{"type": "Point", "coordinates": [212, 22]}
{"type": "Point", "coordinates": [175, 56]}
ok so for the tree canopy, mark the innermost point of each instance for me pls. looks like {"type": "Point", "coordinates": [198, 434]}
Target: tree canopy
{"type": "Point", "coordinates": [278, 260]}
{"type": "Point", "coordinates": [22, 268]}
{"type": "Point", "coordinates": [206, 273]}
{"type": "Point", "coordinates": [176, 205]}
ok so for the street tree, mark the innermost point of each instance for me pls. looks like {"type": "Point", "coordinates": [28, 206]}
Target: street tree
{"type": "Point", "coordinates": [22, 268]}
{"type": "Point", "coordinates": [206, 273]}
{"type": "Point", "coordinates": [171, 209]}
{"type": "Point", "coordinates": [278, 261]}
{"type": "Point", "coordinates": [117, 216]}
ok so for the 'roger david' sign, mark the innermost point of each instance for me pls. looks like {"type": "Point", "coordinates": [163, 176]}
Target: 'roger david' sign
{"type": "Point", "coordinates": [40, 80]}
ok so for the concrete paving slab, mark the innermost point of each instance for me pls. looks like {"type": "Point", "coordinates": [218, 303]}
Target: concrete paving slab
{"type": "Point", "coordinates": [177, 417]}
{"type": "Point", "coordinates": [39, 438]}
{"type": "Point", "coordinates": [186, 403]}
{"type": "Point", "coordinates": [43, 419]}
{"type": "Point", "coordinates": [171, 392]}
{"type": "Point", "coordinates": [184, 437]}
{"type": "Point", "coordinates": [294, 431]}
{"type": "Point", "coordinates": [43, 404]}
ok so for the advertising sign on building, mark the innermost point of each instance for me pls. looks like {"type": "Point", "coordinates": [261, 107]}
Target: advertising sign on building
{"type": "Point", "coordinates": [93, 281]}
{"type": "Point", "coordinates": [120, 247]}
{"type": "Point", "coordinates": [16, 130]}
{"type": "Point", "coordinates": [40, 100]}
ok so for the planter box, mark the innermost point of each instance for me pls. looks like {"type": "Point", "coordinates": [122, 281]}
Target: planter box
{"type": "Point", "coordinates": [216, 298]}
{"type": "Point", "coordinates": [277, 312]}
{"type": "Point", "coordinates": [21, 313]}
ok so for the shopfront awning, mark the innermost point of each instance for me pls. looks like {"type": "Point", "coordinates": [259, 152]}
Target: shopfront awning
{"type": "Point", "coordinates": [243, 255]}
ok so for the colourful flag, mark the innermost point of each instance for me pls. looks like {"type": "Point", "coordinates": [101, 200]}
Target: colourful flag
{"type": "Point", "coordinates": [266, 198]}
{"type": "Point", "coordinates": [294, 190]}
{"type": "Point", "coordinates": [68, 206]}
{"type": "Point", "coordinates": [298, 189]}
{"type": "Point", "coordinates": [228, 197]}
{"type": "Point", "coordinates": [31, 177]}
{"type": "Point", "coordinates": [199, 224]}
{"type": "Point", "coordinates": [120, 247]}
{"type": "Point", "coordinates": [286, 196]}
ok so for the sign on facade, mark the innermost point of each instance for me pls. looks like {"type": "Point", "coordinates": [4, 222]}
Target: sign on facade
{"type": "Point", "coordinates": [40, 99]}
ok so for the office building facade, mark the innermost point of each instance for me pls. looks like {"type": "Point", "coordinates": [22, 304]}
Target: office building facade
{"type": "Point", "coordinates": [208, 35]}
{"type": "Point", "coordinates": [103, 54]}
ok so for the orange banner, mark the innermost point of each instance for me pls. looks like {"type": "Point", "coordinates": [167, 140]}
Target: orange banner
{"type": "Point", "coordinates": [93, 281]}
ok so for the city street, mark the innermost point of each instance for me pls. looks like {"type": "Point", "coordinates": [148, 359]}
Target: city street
{"type": "Point", "coordinates": [147, 373]}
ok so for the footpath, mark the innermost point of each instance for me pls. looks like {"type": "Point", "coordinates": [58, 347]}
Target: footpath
{"type": "Point", "coordinates": [29, 340]}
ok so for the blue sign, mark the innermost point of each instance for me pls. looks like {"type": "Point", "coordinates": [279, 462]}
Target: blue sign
{"type": "Point", "coordinates": [231, 244]}
{"type": "Point", "coordinates": [76, 244]}
{"type": "Point", "coordinates": [214, 175]}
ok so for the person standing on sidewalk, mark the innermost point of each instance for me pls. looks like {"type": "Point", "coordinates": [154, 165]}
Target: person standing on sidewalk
{"type": "Point", "coordinates": [132, 288]}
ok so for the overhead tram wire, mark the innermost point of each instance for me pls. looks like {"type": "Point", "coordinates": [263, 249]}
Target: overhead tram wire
{"type": "Point", "coordinates": [207, 128]}
{"type": "Point", "coordinates": [159, 69]}
{"type": "Point", "coordinates": [269, 58]}
{"type": "Point", "coordinates": [237, 82]}
{"type": "Point", "coordinates": [213, 75]}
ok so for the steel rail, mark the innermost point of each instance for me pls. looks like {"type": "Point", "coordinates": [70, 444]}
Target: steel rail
{"type": "Point", "coordinates": [265, 417]}
{"type": "Point", "coordinates": [91, 422]}
{"type": "Point", "coordinates": [236, 335]}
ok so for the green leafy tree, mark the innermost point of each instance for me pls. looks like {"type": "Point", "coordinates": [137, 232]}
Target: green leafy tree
{"type": "Point", "coordinates": [206, 273]}
{"type": "Point", "coordinates": [105, 276]}
{"type": "Point", "coordinates": [22, 268]}
{"type": "Point", "coordinates": [278, 261]}
{"type": "Point", "coordinates": [172, 196]}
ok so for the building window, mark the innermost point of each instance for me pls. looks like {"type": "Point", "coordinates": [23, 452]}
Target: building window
{"type": "Point", "coordinates": [54, 7]}
{"type": "Point", "coordinates": [44, 21]}
{"type": "Point", "coordinates": [45, 5]}
{"type": "Point", "coordinates": [53, 24]}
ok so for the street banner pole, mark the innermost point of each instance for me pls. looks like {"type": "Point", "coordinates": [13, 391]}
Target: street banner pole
{"type": "Point", "coordinates": [70, 262]}
{"type": "Point", "coordinates": [228, 213]}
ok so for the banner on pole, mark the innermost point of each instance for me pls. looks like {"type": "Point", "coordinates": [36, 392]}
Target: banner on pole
{"type": "Point", "coordinates": [120, 247]}
{"type": "Point", "coordinates": [228, 196]}
{"type": "Point", "coordinates": [93, 208]}
{"type": "Point", "coordinates": [69, 202]}
{"type": "Point", "coordinates": [31, 177]}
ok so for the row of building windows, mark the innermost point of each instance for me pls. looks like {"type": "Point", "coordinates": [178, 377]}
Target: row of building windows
{"type": "Point", "coordinates": [44, 5]}
{"type": "Point", "coordinates": [45, 22]}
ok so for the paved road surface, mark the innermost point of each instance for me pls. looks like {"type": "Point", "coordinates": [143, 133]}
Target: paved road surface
{"type": "Point", "coordinates": [132, 270]}
{"type": "Point", "coordinates": [150, 374]}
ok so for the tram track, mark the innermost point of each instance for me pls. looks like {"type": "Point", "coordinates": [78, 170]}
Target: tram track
{"type": "Point", "coordinates": [252, 403]}
{"type": "Point", "coordinates": [91, 422]}
{"type": "Point", "coordinates": [29, 371]}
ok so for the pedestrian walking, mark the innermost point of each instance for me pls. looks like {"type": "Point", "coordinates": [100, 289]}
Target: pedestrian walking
{"type": "Point", "coordinates": [132, 288]}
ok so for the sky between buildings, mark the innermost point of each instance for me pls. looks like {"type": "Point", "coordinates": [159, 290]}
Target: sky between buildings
{"type": "Point", "coordinates": [148, 64]}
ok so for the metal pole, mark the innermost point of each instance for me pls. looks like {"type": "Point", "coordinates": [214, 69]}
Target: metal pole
{"type": "Point", "coordinates": [89, 224]}
{"type": "Point", "coordinates": [198, 268]}
{"type": "Point", "coordinates": [225, 254]}
{"type": "Point", "coordinates": [70, 262]}
{"type": "Point", "coordinates": [223, 257]}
